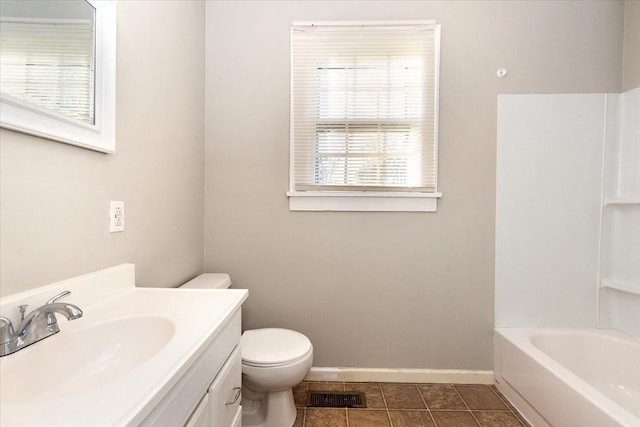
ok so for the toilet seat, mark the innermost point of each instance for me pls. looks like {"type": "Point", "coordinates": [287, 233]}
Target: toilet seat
{"type": "Point", "coordinates": [272, 347]}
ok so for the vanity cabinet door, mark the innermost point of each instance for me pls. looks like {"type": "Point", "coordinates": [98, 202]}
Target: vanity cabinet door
{"type": "Point", "coordinates": [237, 421]}
{"type": "Point", "coordinates": [225, 392]}
{"type": "Point", "coordinates": [201, 415]}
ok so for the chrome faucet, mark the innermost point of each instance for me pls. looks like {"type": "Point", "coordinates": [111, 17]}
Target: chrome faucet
{"type": "Point", "coordinates": [37, 325]}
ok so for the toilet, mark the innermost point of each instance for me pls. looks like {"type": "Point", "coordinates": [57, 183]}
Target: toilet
{"type": "Point", "coordinates": [274, 360]}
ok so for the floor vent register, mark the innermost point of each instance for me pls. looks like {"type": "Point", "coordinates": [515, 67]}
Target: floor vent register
{"type": "Point", "coordinates": [336, 399]}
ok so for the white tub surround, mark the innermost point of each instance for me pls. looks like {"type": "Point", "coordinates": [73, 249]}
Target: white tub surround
{"type": "Point", "coordinates": [548, 202]}
{"type": "Point", "coordinates": [64, 380]}
{"type": "Point", "coordinates": [570, 377]}
{"type": "Point", "coordinates": [568, 239]}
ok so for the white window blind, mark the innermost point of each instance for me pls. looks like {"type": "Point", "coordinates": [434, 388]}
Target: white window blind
{"type": "Point", "coordinates": [364, 107]}
{"type": "Point", "coordinates": [49, 64]}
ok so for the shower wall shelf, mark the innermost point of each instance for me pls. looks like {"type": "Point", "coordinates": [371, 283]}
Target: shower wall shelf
{"type": "Point", "coordinates": [620, 259]}
{"type": "Point", "coordinates": [629, 288]}
{"type": "Point", "coordinates": [622, 201]}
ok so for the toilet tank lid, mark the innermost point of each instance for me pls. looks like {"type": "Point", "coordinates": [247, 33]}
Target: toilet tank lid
{"type": "Point", "coordinates": [209, 281]}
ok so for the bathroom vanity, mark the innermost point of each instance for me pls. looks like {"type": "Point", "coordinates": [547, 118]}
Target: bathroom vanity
{"type": "Point", "coordinates": [137, 356]}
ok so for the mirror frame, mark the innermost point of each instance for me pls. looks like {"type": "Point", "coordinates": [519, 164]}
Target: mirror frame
{"type": "Point", "coordinates": [20, 116]}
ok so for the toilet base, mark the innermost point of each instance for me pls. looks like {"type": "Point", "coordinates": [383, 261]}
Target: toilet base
{"type": "Point", "coordinates": [275, 409]}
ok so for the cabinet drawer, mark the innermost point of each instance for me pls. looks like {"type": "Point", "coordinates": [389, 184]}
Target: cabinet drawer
{"type": "Point", "coordinates": [225, 392]}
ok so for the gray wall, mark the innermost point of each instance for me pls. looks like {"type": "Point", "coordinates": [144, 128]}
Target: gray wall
{"type": "Point", "coordinates": [55, 197]}
{"type": "Point", "coordinates": [631, 59]}
{"type": "Point", "coordinates": [409, 290]}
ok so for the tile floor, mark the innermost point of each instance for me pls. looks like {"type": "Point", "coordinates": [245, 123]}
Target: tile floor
{"type": "Point", "coordinates": [410, 405]}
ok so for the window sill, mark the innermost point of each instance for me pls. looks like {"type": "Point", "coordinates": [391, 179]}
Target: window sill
{"type": "Point", "coordinates": [360, 201]}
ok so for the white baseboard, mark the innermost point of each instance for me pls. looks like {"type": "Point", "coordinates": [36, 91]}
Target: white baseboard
{"type": "Point", "coordinates": [454, 376]}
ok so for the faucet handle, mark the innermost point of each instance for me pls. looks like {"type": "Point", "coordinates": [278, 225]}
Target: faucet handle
{"type": "Point", "coordinates": [50, 318]}
{"type": "Point", "coordinates": [57, 297]}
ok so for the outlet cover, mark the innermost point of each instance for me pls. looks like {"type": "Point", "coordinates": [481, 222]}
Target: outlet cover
{"type": "Point", "coordinates": [116, 217]}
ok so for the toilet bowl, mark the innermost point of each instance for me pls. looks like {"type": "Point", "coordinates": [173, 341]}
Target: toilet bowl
{"type": "Point", "coordinates": [274, 360]}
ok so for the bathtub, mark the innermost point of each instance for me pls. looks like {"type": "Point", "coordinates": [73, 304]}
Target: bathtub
{"type": "Point", "coordinates": [570, 377]}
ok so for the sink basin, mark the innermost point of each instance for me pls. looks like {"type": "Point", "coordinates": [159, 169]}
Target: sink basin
{"type": "Point", "coordinates": [77, 359]}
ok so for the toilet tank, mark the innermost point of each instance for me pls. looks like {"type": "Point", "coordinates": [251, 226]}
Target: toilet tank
{"type": "Point", "coordinates": [209, 281]}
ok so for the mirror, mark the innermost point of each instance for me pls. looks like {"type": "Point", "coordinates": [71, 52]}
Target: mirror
{"type": "Point", "coordinates": [58, 70]}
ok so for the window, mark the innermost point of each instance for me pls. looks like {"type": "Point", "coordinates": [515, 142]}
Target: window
{"type": "Point", "coordinates": [364, 116]}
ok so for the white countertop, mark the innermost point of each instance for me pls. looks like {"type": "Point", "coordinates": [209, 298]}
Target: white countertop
{"type": "Point", "coordinates": [121, 398]}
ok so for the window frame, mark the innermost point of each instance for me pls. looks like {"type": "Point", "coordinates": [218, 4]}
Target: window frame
{"type": "Point", "coordinates": [376, 199]}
